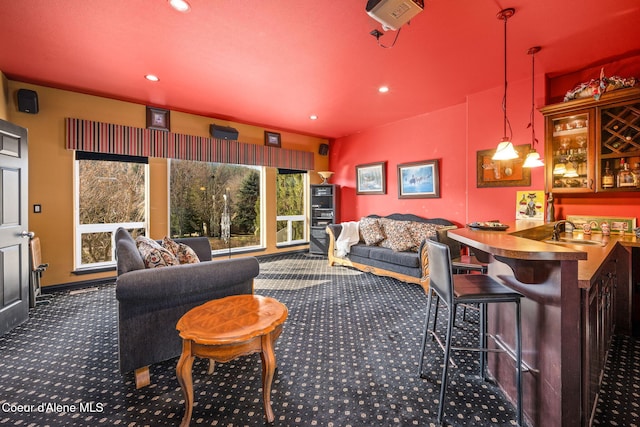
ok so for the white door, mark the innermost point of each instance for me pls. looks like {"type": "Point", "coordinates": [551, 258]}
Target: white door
{"type": "Point", "coordinates": [14, 240]}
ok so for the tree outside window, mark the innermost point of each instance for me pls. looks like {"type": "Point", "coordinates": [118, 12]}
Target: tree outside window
{"type": "Point", "coordinates": [197, 200]}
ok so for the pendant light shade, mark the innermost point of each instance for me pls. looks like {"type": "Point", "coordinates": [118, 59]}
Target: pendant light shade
{"type": "Point", "coordinates": [505, 150]}
{"type": "Point", "coordinates": [533, 158]}
{"type": "Point", "coordinates": [570, 171]}
{"type": "Point", "coordinates": [559, 169]}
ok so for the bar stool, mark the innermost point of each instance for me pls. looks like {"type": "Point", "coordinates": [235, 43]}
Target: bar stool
{"type": "Point", "coordinates": [467, 289]}
{"type": "Point", "coordinates": [462, 264]}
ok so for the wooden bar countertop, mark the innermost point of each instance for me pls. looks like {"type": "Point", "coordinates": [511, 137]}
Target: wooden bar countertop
{"type": "Point", "coordinates": [524, 240]}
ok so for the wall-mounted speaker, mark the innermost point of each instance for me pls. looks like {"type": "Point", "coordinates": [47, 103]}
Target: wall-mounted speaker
{"type": "Point", "coordinates": [223, 132]}
{"type": "Point", "coordinates": [27, 101]}
{"type": "Point", "coordinates": [324, 149]}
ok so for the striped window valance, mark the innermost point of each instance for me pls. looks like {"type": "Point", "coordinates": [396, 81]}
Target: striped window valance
{"type": "Point", "coordinates": [87, 135]}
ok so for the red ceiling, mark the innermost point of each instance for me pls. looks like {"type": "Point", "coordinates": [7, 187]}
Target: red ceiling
{"type": "Point", "coordinates": [274, 62]}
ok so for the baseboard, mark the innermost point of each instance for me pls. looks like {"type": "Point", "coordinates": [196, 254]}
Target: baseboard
{"type": "Point", "coordinates": [76, 285]}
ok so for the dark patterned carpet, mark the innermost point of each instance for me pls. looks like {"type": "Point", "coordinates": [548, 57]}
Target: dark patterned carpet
{"type": "Point", "coordinates": [619, 398]}
{"type": "Point", "coordinates": [348, 356]}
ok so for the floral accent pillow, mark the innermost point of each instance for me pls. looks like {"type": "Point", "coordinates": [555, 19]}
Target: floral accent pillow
{"type": "Point", "coordinates": [370, 231]}
{"type": "Point", "coordinates": [153, 254]}
{"type": "Point", "coordinates": [399, 237]}
{"type": "Point", "coordinates": [184, 253]}
{"type": "Point", "coordinates": [421, 231]}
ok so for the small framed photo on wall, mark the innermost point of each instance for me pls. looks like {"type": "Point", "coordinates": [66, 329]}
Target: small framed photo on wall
{"type": "Point", "coordinates": [272, 139]}
{"type": "Point", "coordinates": [158, 119]}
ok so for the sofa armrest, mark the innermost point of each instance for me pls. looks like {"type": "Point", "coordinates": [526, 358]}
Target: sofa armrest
{"type": "Point", "coordinates": [180, 284]}
{"type": "Point", "coordinates": [334, 230]}
{"type": "Point", "coordinates": [423, 257]}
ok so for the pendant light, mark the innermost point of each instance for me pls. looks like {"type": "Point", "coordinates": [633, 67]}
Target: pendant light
{"type": "Point", "coordinates": [505, 150]}
{"type": "Point", "coordinates": [533, 158]}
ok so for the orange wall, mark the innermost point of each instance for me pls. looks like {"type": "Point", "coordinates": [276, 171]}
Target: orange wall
{"type": "Point", "coordinates": [51, 168]}
{"type": "Point", "coordinates": [4, 90]}
{"type": "Point", "coordinates": [454, 135]}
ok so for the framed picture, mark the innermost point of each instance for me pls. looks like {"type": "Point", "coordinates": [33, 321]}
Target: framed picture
{"type": "Point", "coordinates": [272, 139]}
{"type": "Point", "coordinates": [530, 204]}
{"type": "Point", "coordinates": [419, 180]}
{"type": "Point", "coordinates": [371, 178]}
{"type": "Point", "coordinates": [157, 119]}
{"type": "Point", "coordinates": [503, 173]}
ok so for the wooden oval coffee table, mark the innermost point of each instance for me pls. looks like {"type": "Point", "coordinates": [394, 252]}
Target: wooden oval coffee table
{"type": "Point", "coordinates": [224, 329]}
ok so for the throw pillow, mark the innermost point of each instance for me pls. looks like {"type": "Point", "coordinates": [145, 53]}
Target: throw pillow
{"type": "Point", "coordinates": [184, 253]}
{"type": "Point", "coordinates": [421, 231]}
{"type": "Point", "coordinates": [153, 254]}
{"type": "Point", "coordinates": [398, 234]}
{"type": "Point", "coordinates": [370, 231]}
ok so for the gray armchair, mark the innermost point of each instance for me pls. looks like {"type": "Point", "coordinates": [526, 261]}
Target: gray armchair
{"type": "Point", "coordinates": [150, 301]}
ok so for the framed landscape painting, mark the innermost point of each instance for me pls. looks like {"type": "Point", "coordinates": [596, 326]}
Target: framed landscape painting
{"type": "Point", "coordinates": [419, 180]}
{"type": "Point", "coordinates": [371, 178]}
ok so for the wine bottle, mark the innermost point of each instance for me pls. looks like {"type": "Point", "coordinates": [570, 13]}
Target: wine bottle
{"type": "Point", "coordinates": [624, 177]}
{"type": "Point", "coordinates": [608, 178]}
{"type": "Point", "coordinates": [636, 174]}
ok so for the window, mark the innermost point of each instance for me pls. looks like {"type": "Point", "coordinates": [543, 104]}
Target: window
{"type": "Point", "coordinates": [199, 192]}
{"type": "Point", "coordinates": [291, 200]}
{"type": "Point", "coordinates": [110, 193]}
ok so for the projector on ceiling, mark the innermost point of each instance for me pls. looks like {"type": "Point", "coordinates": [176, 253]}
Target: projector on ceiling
{"type": "Point", "coordinates": [393, 14]}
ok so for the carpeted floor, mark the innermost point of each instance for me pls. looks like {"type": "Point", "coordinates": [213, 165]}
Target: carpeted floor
{"type": "Point", "coordinates": [348, 356]}
{"type": "Point", "coordinates": [619, 398]}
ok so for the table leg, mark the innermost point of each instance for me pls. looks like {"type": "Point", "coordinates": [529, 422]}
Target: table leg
{"type": "Point", "coordinates": [183, 372]}
{"type": "Point", "coordinates": [268, 368]}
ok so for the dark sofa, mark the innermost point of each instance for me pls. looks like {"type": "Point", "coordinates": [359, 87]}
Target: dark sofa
{"type": "Point", "coordinates": [408, 265]}
{"type": "Point", "coordinates": [152, 300]}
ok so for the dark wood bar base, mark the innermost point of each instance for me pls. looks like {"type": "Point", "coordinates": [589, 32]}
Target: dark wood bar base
{"type": "Point", "coordinates": [550, 343]}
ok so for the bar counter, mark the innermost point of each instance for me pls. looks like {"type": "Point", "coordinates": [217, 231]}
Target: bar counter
{"type": "Point", "coordinates": [557, 340]}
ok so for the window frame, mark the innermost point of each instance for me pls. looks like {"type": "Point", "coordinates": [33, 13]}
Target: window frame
{"type": "Point", "coordinates": [82, 229]}
{"type": "Point", "coordinates": [304, 217]}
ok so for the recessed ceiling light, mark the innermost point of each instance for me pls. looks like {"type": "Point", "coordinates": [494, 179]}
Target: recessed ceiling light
{"type": "Point", "coordinates": [152, 78]}
{"type": "Point", "coordinates": [313, 117]}
{"type": "Point", "coordinates": [383, 89]}
{"type": "Point", "coordinates": [180, 5]}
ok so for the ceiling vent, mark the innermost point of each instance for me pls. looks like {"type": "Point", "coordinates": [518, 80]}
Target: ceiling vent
{"type": "Point", "coordinates": [393, 14]}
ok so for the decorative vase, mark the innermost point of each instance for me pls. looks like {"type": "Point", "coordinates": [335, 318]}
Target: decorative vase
{"type": "Point", "coordinates": [325, 176]}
